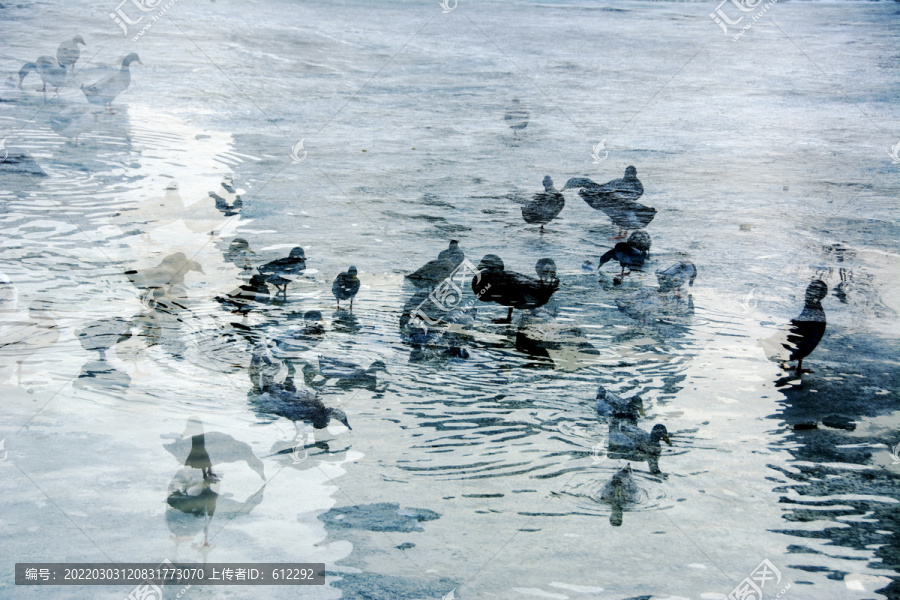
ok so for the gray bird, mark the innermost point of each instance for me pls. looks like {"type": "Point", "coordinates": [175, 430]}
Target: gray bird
{"type": "Point", "coordinates": [68, 53]}
{"type": "Point", "coordinates": [106, 90]}
{"type": "Point", "coordinates": [545, 206]}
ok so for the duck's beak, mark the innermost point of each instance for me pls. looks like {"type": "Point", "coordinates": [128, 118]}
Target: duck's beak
{"type": "Point", "coordinates": [666, 438]}
{"type": "Point", "coordinates": [641, 410]}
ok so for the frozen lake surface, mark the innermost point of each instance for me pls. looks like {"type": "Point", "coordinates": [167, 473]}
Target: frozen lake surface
{"type": "Point", "coordinates": [372, 134]}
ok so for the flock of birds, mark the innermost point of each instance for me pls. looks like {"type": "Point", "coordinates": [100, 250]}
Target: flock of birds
{"type": "Point", "coordinates": [272, 373]}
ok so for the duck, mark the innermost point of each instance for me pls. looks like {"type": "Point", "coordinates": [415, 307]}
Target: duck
{"type": "Point", "coordinates": [68, 52]}
{"type": "Point", "coordinates": [545, 206]}
{"type": "Point", "coordinates": [159, 211]}
{"type": "Point", "coordinates": [677, 275]}
{"type": "Point", "coordinates": [248, 296]}
{"type": "Point", "coordinates": [239, 254]}
{"type": "Point", "coordinates": [168, 274]}
{"type": "Point", "coordinates": [797, 339]}
{"type": "Point", "coordinates": [299, 405]}
{"type": "Point", "coordinates": [627, 438]}
{"type": "Point", "coordinates": [620, 491]}
{"type": "Point", "coordinates": [349, 374]}
{"type": "Point", "coordinates": [617, 199]}
{"type": "Point", "coordinates": [228, 200]}
{"type": "Point", "coordinates": [613, 405]}
{"type": "Point", "coordinates": [48, 69]}
{"type": "Point", "coordinates": [630, 254]}
{"type": "Point", "coordinates": [283, 271]}
{"type": "Point", "coordinates": [545, 269]}
{"type": "Point", "coordinates": [106, 90]}
{"type": "Point", "coordinates": [453, 253]}
{"type": "Point", "coordinates": [493, 283]}
{"type": "Point", "coordinates": [346, 286]}
{"type": "Point", "coordinates": [73, 121]}
{"type": "Point", "coordinates": [517, 117]}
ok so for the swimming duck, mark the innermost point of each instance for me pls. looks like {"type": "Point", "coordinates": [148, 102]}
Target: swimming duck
{"type": "Point", "coordinates": [345, 286]}
{"type": "Point", "coordinates": [676, 276]}
{"type": "Point", "coordinates": [546, 270]}
{"type": "Point", "coordinates": [495, 284]}
{"type": "Point", "coordinates": [168, 274]}
{"type": "Point", "coordinates": [517, 116]}
{"type": "Point", "coordinates": [545, 206]}
{"type": "Point", "coordinates": [620, 491]}
{"type": "Point", "coordinates": [617, 199]}
{"type": "Point", "coordinates": [797, 339]}
{"type": "Point", "coordinates": [627, 437]}
{"type": "Point", "coordinates": [453, 253]}
{"type": "Point", "coordinates": [228, 200]}
{"type": "Point", "coordinates": [73, 121]}
{"type": "Point", "coordinates": [106, 90]}
{"type": "Point", "coordinates": [350, 375]}
{"type": "Point", "coordinates": [246, 297]}
{"type": "Point", "coordinates": [49, 70]}
{"type": "Point", "coordinates": [282, 271]}
{"type": "Point", "coordinates": [630, 254]}
{"type": "Point", "coordinates": [299, 405]}
{"type": "Point", "coordinates": [613, 405]}
{"type": "Point", "coordinates": [305, 337]}
{"type": "Point", "coordinates": [68, 53]}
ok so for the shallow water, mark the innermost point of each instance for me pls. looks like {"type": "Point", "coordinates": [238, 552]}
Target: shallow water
{"type": "Point", "coordinates": [767, 159]}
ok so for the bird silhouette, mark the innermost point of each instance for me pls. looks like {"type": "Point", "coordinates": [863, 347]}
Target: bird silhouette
{"type": "Point", "coordinates": [107, 89]}
{"type": "Point", "coordinates": [495, 284]}
{"type": "Point", "coordinates": [68, 52]}
{"type": "Point", "coordinates": [346, 286]}
{"type": "Point", "coordinates": [630, 254]}
{"type": "Point", "coordinates": [797, 339]}
{"type": "Point", "coordinates": [281, 272]}
{"type": "Point", "coordinates": [544, 206]}
{"type": "Point", "coordinates": [617, 199]}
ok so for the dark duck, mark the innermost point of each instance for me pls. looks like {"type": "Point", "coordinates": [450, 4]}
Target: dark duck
{"type": "Point", "coordinates": [282, 271]}
{"type": "Point", "coordinates": [298, 405]}
{"type": "Point", "coordinates": [545, 206]}
{"type": "Point", "coordinates": [495, 284]}
{"type": "Point", "coordinates": [630, 254]}
{"type": "Point", "coordinates": [453, 253]}
{"type": "Point", "coordinates": [245, 298]}
{"type": "Point", "coordinates": [346, 286]}
{"type": "Point", "coordinates": [617, 199]}
{"type": "Point", "coordinates": [434, 272]}
{"type": "Point", "coordinates": [797, 339]}
{"type": "Point", "coordinates": [350, 375]}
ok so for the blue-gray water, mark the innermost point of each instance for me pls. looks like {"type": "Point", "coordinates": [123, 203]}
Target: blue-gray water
{"type": "Point", "coordinates": [767, 158]}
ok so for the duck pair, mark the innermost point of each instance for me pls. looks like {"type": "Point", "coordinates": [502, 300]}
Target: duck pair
{"type": "Point", "coordinates": [52, 70]}
{"type": "Point", "coordinates": [493, 283]}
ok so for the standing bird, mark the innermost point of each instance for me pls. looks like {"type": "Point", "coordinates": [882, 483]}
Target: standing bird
{"type": "Point", "coordinates": [545, 206]}
{"type": "Point", "coordinates": [617, 199]}
{"type": "Point", "coordinates": [517, 116]}
{"type": "Point", "coordinates": [676, 276]}
{"type": "Point", "coordinates": [797, 339]}
{"type": "Point", "coordinates": [453, 253]}
{"type": "Point", "coordinates": [239, 254]}
{"type": "Point", "coordinates": [106, 90]}
{"type": "Point", "coordinates": [245, 298]}
{"type": "Point", "coordinates": [282, 271]}
{"type": "Point", "coordinates": [494, 283]}
{"type": "Point", "coordinates": [630, 254]}
{"type": "Point", "coordinates": [169, 273]}
{"type": "Point", "coordinates": [228, 201]}
{"type": "Point", "coordinates": [68, 53]}
{"type": "Point", "coordinates": [298, 405]}
{"type": "Point", "coordinates": [345, 286]}
{"type": "Point", "coordinates": [49, 70]}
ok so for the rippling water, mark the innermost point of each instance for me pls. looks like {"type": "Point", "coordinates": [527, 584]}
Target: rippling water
{"type": "Point", "coordinates": [478, 471]}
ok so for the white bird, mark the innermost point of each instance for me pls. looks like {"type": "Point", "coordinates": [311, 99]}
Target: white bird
{"type": "Point", "coordinates": [106, 90]}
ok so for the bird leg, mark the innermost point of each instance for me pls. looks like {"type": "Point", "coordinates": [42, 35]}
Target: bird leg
{"type": "Point", "coordinates": [800, 369]}
{"type": "Point", "coordinates": [508, 318]}
{"type": "Point", "coordinates": [351, 304]}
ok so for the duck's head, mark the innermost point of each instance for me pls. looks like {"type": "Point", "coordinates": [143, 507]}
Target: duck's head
{"type": "Point", "coordinates": [630, 173]}
{"type": "Point", "coordinates": [548, 183]}
{"type": "Point", "coordinates": [816, 291]}
{"type": "Point", "coordinates": [79, 40]}
{"type": "Point", "coordinates": [172, 186]}
{"type": "Point", "coordinates": [577, 183]}
{"type": "Point", "coordinates": [378, 365]}
{"type": "Point", "coordinates": [453, 245]}
{"type": "Point", "coordinates": [658, 433]}
{"type": "Point", "coordinates": [24, 71]}
{"type": "Point", "coordinates": [240, 245]}
{"type": "Point", "coordinates": [490, 262]}
{"type": "Point", "coordinates": [640, 240]}
{"type": "Point", "coordinates": [636, 406]}
{"type": "Point", "coordinates": [338, 414]}
{"type": "Point", "coordinates": [352, 272]}
{"type": "Point", "coordinates": [297, 253]}
{"type": "Point", "coordinates": [133, 57]}
{"type": "Point", "coordinates": [258, 281]}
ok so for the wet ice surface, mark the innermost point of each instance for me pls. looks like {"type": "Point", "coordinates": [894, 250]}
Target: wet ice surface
{"type": "Point", "coordinates": [482, 475]}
